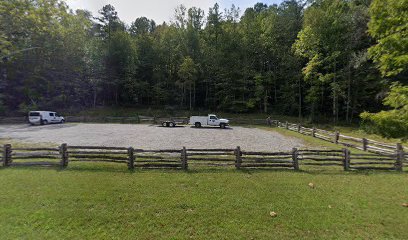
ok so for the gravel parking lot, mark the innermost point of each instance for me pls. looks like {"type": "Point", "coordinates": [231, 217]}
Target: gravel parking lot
{"type": "Point", "coordinates": [150, 136]}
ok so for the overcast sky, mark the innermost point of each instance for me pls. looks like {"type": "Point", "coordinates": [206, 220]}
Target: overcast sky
{"type": "Point", "coordinates": [158, 10]}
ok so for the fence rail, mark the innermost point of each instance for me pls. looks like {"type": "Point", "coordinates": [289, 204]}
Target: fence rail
{"type": "Point", "coordinates": [195, 158]}
{"type": "Point", "coordinates": [363, 144]}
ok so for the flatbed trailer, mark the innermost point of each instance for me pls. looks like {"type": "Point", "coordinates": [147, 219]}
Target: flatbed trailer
{"type": "Point", "coordinates": [172, 122]}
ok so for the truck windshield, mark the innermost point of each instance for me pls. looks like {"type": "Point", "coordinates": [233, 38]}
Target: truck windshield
{"type": "Point", "coordinates": [213, 118]}
{"type": "Point", "coordinates": [34, 114]}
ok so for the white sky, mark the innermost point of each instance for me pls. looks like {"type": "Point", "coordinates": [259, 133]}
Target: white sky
{"type": "Point", "coordinates": [158, 10]}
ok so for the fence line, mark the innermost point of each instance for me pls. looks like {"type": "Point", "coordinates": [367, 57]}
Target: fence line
{"type": "Point", "coordinates": [191, 158]}
{"type": "Point", "coordinates": [363, 144]}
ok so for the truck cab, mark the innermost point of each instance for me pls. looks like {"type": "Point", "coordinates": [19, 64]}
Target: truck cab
{"type": "Point", "coordinates": [210, 120]}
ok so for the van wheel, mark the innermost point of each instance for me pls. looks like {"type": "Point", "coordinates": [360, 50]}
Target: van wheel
{"type": "Point", "coordinates": [62, 121]}
{"type": "Point", "coordinates": [222, 125]}
{"type": "Point", "coordinates": [172, 124]}
{"type": "Point", "coordinates": [44, 122]}
{"type": "Point", "coordinates": [197, 125]}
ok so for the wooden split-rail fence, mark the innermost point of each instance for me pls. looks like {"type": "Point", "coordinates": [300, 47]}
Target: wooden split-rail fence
{"type": "Point", "coordinates": [363, 144]}
{"type": "Point", "coordinates": [186, 158]}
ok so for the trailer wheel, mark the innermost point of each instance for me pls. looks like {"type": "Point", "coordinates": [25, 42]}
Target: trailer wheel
{"type": "Point", "coordinates": [164, 124]}
{"type": "Point", "coordinates": [172, 124]}
{"type": "Point", "coordinates": [197, 125]}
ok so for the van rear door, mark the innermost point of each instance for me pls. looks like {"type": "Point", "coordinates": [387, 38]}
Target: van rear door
{"type": "Point", "coordinates": [34, 117]}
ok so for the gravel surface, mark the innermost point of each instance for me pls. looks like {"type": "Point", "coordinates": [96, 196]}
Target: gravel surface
{"type": "Point", "coordinates": [151, 136]}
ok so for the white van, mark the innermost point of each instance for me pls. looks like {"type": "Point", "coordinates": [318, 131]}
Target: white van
{"type": "Point", "coordinates": [44, 117]}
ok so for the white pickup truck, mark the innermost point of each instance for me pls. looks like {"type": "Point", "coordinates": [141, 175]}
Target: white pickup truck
{"type": "Point", "coordinates": [210, 120]}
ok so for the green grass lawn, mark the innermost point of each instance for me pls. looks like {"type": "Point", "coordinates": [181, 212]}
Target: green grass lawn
{"type": "Point", "coordinates": [106, 201]}
{"type": "Point", "coordinates": [103, 201]}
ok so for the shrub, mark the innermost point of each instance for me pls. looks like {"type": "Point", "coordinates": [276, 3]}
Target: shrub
{"type": "Point", "coordinates": [392, 123]}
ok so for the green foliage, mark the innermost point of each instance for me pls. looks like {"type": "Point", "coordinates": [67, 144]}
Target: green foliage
{"type": "Point", "coordinates": [291, 58]}
{"type": "Point", "coordinates": [391, 123]}
{"type": "Point", "coordinates": [389, 26]}
{"type": "Point", "coordinates": [25, 108]}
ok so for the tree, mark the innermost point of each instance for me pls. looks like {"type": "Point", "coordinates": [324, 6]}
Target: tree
{"type": "Point", "coordinates": [388, 25]}
{"type": "Point", "coordinates": [188, 74]}
{"type": "Point", "coordinates": [328, 41]}
{"type": "Point", "coordinates": [394, 122]}
{"type": "Point", "coordinates": [142, 26]}
{"type": "Point", "coordinates": [304, 58]}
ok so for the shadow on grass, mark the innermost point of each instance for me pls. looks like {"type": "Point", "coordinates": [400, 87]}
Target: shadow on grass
{"type": "Point", "coordinates": [193, 171]}
{"type": "Point", "coordinates": [44, 167]}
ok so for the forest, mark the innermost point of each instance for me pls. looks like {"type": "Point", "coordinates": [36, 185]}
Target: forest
{"type": "Point", "coordinates": [339, 60]}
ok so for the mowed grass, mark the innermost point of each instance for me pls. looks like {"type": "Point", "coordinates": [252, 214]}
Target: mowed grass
{"type": "Point", "coordinates": [104, 201]}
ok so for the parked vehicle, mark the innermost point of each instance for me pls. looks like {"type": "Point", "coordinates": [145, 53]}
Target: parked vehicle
{"type": "Point", "coordinates": [44, 117]}
{"type": "Point", "coordinates": [168, 123]}
{"type": "Point", "coordinates": [172, 122]}
{"type": "Point", "coordinates": [210, 120]}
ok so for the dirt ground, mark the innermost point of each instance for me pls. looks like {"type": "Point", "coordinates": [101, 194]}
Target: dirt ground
{"type": "Point", "coordinates": [150, 136]}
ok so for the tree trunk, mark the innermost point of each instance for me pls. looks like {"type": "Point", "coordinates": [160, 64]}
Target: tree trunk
{"type": "Point", "coordinates": [266, 102]}
{"type": "Point", "coordinates": [116, 95]}
{"type": "Point", "coordinates": [334, 88]}
{"type": "Point", "coordinates": [194, 94]}
{"type": "Point", "coordinates": [300, 99]}
{"type": "Point", "coordinates": [190, 96]}
{"type": "Point", "coordinates": [348, 95]}
{"type": "Point", "coordinates": [94, 97]}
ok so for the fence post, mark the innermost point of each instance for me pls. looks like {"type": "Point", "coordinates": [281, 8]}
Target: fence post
{"type": "Point", "coordinates": [295, 158]}
{"type": "Point", "coordinates": [298, 128]}
{"type": "Point", "coordinates": [4, 156]}
{"type": "Point", "coordinates": [314, 131]}
{"type": "Point", "coordinates": [336, 137]}
{"type": "Point", "coordinates": [269, 121]}
{"type": "Point", "coordinates": [277, 123]}
{"type": "Point", "coordinates": [346, 160]}
{"type": "Point", "coordinates": [184, 163]}
{"type": "Point", "coordinates": [287, 125]}
{"type": "Point", "coordinates": [7, 155]}
{"type": "Point", "coordinates": [400, 157]}
{"type": "Point", "coordinates": [238, 158]}
{"type": "Point", "coordinates": [365, 143]}
{"type": "Point", "coordinates": [131, 155]}
{"type": "Point", "coordinates": [64, 155]}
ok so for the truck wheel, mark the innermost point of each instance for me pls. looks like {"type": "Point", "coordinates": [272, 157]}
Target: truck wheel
{"type": "Point", "coordinates": [172, 124]}
{"type": "Point", "coordinates": [197, 125]}
{"type": "Point", "coordinates": [222, 125]}
{"type": "Point", "coordinates": [62, 121]}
